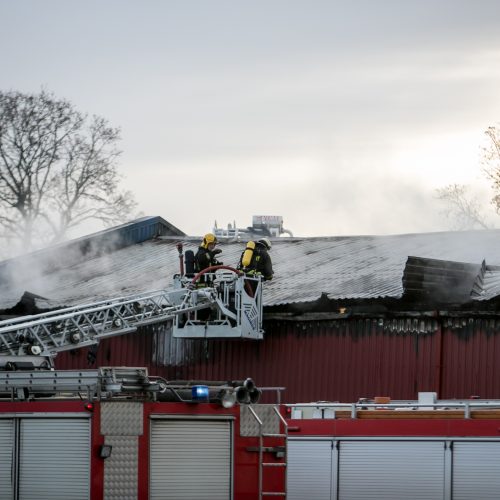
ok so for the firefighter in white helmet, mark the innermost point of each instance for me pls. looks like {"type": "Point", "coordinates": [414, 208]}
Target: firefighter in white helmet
{"type": "Point", "coordinates": [256, 261]}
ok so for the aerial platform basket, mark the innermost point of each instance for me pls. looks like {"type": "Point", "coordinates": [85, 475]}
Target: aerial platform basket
{"type": "Point", "coordinates": [226, 303]}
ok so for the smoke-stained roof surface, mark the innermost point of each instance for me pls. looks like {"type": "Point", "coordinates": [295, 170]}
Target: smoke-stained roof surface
{"type": "Point", "coordinates": [305, 268]}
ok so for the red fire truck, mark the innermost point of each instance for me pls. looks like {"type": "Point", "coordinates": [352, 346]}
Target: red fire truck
{"type": "Point", "coordinates": [119, 433]}
{"type": "Point", "coordinates": [131, 439]}
{"type": "Point", "coordinates": [423, 449]}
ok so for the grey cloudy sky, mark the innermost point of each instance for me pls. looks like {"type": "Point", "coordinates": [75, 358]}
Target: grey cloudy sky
{"type": "Point", "coordinates": [343, 117]}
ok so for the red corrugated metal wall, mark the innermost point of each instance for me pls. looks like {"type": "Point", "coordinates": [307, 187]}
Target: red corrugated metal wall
{"type": "Point", "coordinates": [471, 363]}
{"type": "Point", "coordinates": [334, 361]}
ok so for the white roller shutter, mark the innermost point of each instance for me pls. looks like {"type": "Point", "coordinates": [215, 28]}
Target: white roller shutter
{"type": "Point", "coordinates": [310, 471]}
{"type": "Point", "coordinates": [6, 450]}
{"type": "Point", "coordinates": [395, 470]}
{"type": "Point", "coordinates": [190, 459]}
{"type": "Point", "coordinates": [476, 470]}
{"type": "Point", "coordinates": [54, 459]}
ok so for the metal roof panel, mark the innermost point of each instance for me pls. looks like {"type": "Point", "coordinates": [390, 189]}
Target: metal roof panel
{"type": "Point", "coordinates": [305, 268]}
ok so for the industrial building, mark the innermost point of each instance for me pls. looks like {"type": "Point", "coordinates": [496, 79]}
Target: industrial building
{"type": "Point", "coordinates": [344, 317]}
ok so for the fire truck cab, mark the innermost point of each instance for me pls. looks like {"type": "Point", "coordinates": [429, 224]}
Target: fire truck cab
{"type": "Point", "coordinates": [119, 433]}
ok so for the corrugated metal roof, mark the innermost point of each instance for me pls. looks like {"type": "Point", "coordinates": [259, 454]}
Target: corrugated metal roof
{"type": "Point", "coordinates": [305, 268]}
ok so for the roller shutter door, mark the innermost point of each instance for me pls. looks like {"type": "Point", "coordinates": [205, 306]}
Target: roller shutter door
{"type": "Point", "coordinates": [6, 450]}
{"type": "Point", "coordinates": [391, 470]}
{"type": "Point", "coordinates": [190, 459]}
{"type": "Point", "coordinates": [54, 459]}
{"type": "Point", "coordinates": [476, 470]}
{"type": "Point", "coordinates": [309, 472]}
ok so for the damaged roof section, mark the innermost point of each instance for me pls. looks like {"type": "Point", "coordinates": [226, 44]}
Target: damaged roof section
{"type": "Point", "coordinates": [487, 285]}
{"type": "Point", "coordinates": [142, 256]}
{"type": "Point", "coordinates": [439, 281]}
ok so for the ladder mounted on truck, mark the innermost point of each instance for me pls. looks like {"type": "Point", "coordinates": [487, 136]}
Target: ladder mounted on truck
{"type": "Point", "coordinates": [231, 301]}
{"type": "Point", "coordinates": [107, 383]}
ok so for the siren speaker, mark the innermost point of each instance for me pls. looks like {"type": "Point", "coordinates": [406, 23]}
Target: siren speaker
{"type": "Point", "coordinates": [254, 395]}
{"type": "Point", "coordinates": [242, 395]}
{"type": "Point", "coordinates": [249, 384]}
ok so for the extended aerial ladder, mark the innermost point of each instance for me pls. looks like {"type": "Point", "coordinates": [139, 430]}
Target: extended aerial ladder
{"type": "Point", "coordinates": [231, 301]}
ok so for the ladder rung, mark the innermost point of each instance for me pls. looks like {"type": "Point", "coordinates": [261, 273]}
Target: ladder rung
{"type": "Point", "coordinates": [274, 493]}
{"type": "Point", "coordinates": [274, 435]}
{"type": "Point", "coordinates": [272, 464]}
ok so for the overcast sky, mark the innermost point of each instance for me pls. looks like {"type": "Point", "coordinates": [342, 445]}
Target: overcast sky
{"type": "Point", "coordinates": [341, 116]}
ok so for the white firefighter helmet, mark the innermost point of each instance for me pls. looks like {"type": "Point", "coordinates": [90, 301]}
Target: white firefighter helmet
{"type": "Point", "coordinates": [266, 242]}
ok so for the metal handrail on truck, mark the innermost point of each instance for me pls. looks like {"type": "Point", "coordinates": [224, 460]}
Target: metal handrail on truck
{"type": "Point", "coordinates": [466, 405]}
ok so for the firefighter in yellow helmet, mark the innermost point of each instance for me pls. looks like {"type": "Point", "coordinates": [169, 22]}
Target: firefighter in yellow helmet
{"type": "Point", "coordinates": [206, 254]}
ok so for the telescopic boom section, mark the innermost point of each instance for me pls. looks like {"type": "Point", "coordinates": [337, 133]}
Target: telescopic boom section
{"type": "Point", "coordinates": [230, 308]}
{"type": "Point", "coordinates": [80, 326]}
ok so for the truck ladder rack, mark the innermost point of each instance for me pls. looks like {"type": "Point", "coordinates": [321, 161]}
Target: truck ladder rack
{"type": "Point", "coordinates": [103, 382]}
{"type": "Point", "coordinates": [108, 383]}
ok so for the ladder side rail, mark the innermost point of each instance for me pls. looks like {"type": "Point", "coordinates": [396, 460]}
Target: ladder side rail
{"type": "Point", "coordinates": [285, 458]}
{"type": "Point", "coordinates": [103, 332]}
{"type": "Point", "coordinates": [7, 344]}
{"type": "Point", "coordinates": [46, 337]}
{"type": "Point", "coordinates": [53, 350]}
{"type": "Point", "coordinates": [61, 314]}
{"type": "Point", "coordinates": [284, 464]}
{"type": "Point", "coordinates": [280, 416]}
{"type": "Point", "coordinates": [152, 320]}
{"type": "Point", "coordinates": [58, 317]}
{"type": "Point", "coordinates": [97, 324]}
{"type": "Point", "coordinates": [261, 448]}
{"type": "Point", "coordinates": [238, 287]}
{"type": "Point", "coordinates": [260, 304]}
{"type": "Point", "coordinates": [79, 307]}
{"type": "Point", "coordinates": [90, 314]}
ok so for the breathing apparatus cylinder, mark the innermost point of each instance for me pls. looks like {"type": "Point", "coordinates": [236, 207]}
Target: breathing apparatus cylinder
{"type": "Point", "coordinates": [189, 258]}
{"type": "Point", "coordinates": [248, 254]}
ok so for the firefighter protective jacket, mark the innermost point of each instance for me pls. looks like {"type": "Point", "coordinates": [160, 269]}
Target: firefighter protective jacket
{"type": "Point", "coordinates": [260, 264]}
{"type": "Point", "coordinates": [205, 258]}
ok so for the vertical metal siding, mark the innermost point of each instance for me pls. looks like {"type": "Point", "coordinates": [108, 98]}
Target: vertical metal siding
{"type": "Point", "coordinates": [190, 459]}
{"type": "Point", "coordinates": [476, 470]}
{"type": "Point", "coordinates": [319, 360]}
{"type": "Point", "coordinates": [391, 470]}
{"type": "Point", "coordinates": [6, 450]}
{"type": "Point", "coordinates": [470, 366]}
{"type": "Point", "coordinates": [54, 459]}
{"type": "Point", "coordinates": [310, 470]}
